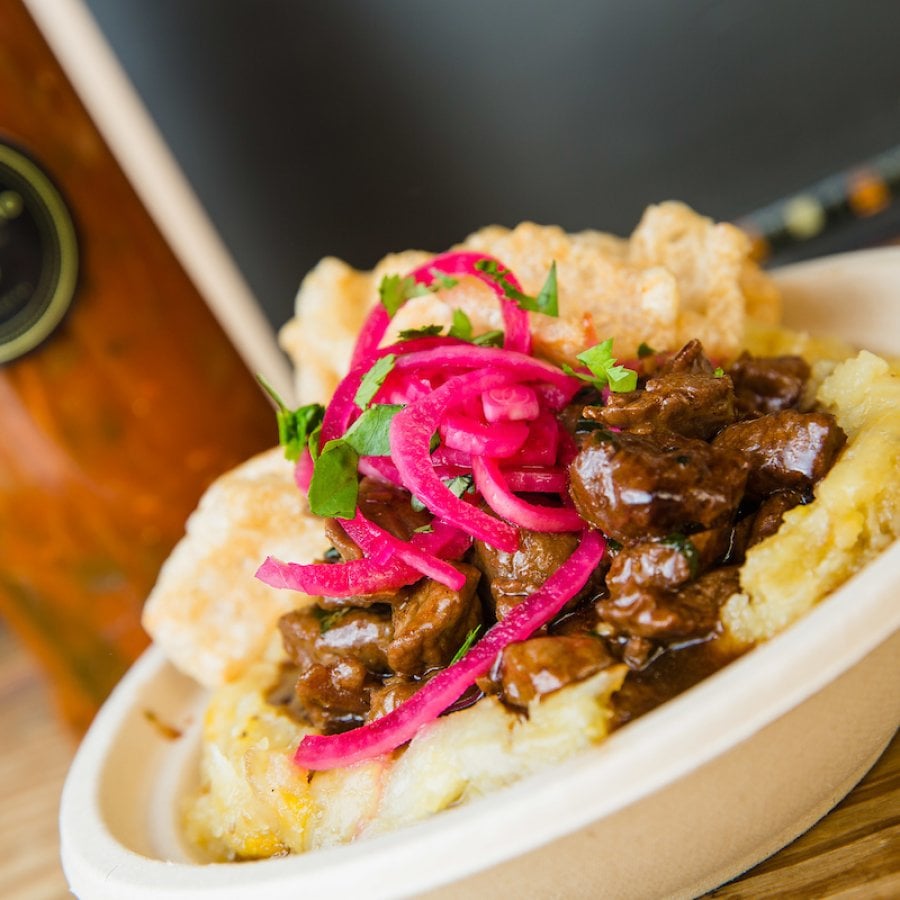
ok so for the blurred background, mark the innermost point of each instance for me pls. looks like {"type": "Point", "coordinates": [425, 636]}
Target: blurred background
{"type": "Point", "coordinates": [356, 128]}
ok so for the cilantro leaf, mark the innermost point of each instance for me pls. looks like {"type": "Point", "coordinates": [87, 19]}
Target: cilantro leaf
{"type": "Point", "coordinates": [425, 331]}
{"type": "Point", "coordinates": [645, 350]}
{"type": "Point", "coordinates": [457, 486]}
{"type": "Point", "coordinates": [441, 281]}
{"type": "Point", "coordinates": [466, 644]}
{"type": "Point", "coordinates": [719, 372]}
{"type": "Point", "coordinates": [315, 439]}
{"type": "Point", "coordinates": [546, 302]}
{"type": "Point", "coordinates": [621, 379]}
{"type": "Point", "coordinates": [460, 484]}
{"type": "Point", "coordinates": [499, 274]}
{"type": "Point", "coordinates": [369, 435]}
{"type": "Point", "coordinates": [373, 379]}
{"type": "Point", "coordinates": [335, 482]}
{"type": "Point", "coordinates": [462, 326]}
{"type": "Point", "coordinates": [604, 371]}
{"type": "Point", "coordinates": [328, 619]}
{"type": "Point", "coordinates": [294, 426]}
{"type": "Point", "coordinates": [489, 339]}
{"type": "Point", "coordinates": [395, 290]}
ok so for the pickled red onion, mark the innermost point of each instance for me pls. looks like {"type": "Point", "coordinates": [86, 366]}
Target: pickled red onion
{"type": "Point", "coordinates": [358, 577]}
{"type": "Point", "coordinates": [410, 436]}
{"type": "Point", "coordinates": [354, 578]}
{"type": "Point", "coordinates": [373, 539]}
{"type": "Point", "coordinates": [553, 384]}
{"type": "Point", "coordinates": [502, 439]}
{"type": "Point", "coordinates": [515, 403]}
{"type": "Point", "coordinates": [517, 336]}
{"type": "Point", "coordinates": [318, 752]}
{"type": "Point", "coordinates": [515, 319]}
{"type": "Point", "coordinates": [496, 492]}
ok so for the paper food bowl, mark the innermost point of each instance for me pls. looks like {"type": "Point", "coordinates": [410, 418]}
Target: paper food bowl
{"type": "Point", "coordinates": [674, 804]}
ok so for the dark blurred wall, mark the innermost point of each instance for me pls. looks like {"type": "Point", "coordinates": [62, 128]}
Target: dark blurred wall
{"type": "Point", "coordinates": [355, 127]}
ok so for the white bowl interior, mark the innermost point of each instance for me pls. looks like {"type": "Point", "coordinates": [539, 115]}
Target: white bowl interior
{"type": "Point", "coordinates": [675, 803]}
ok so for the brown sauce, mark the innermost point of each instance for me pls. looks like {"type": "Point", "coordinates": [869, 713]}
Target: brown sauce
{"type": "Point", "coordinates": [667, 676]}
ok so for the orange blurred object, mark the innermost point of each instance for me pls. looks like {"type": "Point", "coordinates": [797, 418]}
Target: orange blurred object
{"type": "Point", "coordinates": [112, 426]}
{"type": "Point", "coordinates": [868, 194]}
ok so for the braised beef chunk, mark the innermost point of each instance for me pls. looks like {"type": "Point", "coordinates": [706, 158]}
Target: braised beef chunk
{"type": "Point", "coordinates": [771, 512]}
{"type": "Point", "coordinates": [431, 624]}
{"type": "Point", "coordinates": [311, 636]}
{"type": "Point", "coordinates": [633, 486]}
{"type": "Point", "coordinates": [685, 397]}
{"type": "Point", "coordinates": [690, 612]}
{"type": "Point", "coordinates": [513, 577]}
{"type": "Point", "coordinates": [690, 359]}
{"type": "Point", "coordinates": [582, 619]}
{"type": "Point", "coordinates": [787, 450]}
{"type": "Point", "coordinates": [344, 545]}
{"type": "Point", "coordinates": [390, 508]}
{"type": "Point", "coordinates": [334, 697]}
{"type": "Point", "coordinates": [690, 404]}
{"type": "Point", "coordinates": [667, 563]}
{"type": "Point", "coordinates": [767, 384]}
{"type": "Point", "coordinates": [542, 665]}
{"type": "Point", "coordinates": [388, 696]}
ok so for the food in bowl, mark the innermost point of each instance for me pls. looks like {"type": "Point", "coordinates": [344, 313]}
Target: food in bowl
{"type": "Point", "coordinates": [519, 547]}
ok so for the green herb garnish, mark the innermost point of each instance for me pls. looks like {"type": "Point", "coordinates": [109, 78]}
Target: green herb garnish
{"type": "Point", "coordinates": [685, 546]}
{"type": "Point", "coordinates": [315, 439]}
{"type": "Point", "coordinates": [459, 485]}
{"type": "Point", "coordinates": [462, 326]}
{"type": "Point", "coordinates": [294, 426]}
{"type": "Point", "coordinates": [442, 282]}
{"type": "Point", "coordinates": [466, 644]}
{"type": "Point", "coordinates": [329, 618]}
{"type": "Point", "coordinates": [603, 368]}
{"type": "Point", "coordinates": [395, 290]}
{"type": "Point", "coordinates": [409, 334]}
{"type": "Point", "coordinates": [719, 372]}
{"type": "Point", "coordinates": [334, 487]}
{"type": "Point", "coordinates": [645, 350]}
{"type": "Point", "coordinates": [489, 339]}
{"type": "Point", "coordinates": [335, 482]}
{"type": "Point", "coordinates": [369, 435]}
{"type": "Point", "coordinates": [373, 380]}
{"type": "Point", "coordinates": [546, 302]}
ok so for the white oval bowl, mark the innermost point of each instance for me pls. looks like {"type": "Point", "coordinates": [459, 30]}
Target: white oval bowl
{"type": "Point", "coordinates": [673, 805]}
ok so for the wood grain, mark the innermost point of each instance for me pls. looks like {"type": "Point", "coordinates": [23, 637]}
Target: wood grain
{"type": "Point", "coordinates": [111, 429]}
{"type": "Point", "coordinates": [854, 852]}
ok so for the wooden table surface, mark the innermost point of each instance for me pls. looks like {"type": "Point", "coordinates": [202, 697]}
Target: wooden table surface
{"type": "Point", "coordinates": [854, 852]}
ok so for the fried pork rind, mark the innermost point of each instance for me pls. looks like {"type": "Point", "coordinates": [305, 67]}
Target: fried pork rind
{"type": "Point", "coordinates": [679, 276]}
{"type": "Point", "coordinates": [207, 611]}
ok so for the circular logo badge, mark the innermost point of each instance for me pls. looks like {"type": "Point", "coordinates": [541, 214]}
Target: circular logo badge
{"type": "Point", "coordinates": [38, 255]}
